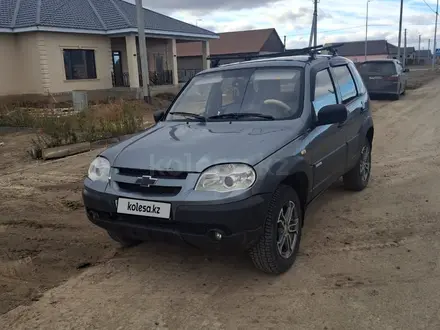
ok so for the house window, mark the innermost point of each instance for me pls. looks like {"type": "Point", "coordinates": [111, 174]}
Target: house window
{"type": "Point", "coordinates": [79, 64]}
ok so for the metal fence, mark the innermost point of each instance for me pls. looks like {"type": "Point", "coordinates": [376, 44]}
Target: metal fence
{"type": "Point", "coordinates": [186, 74]}
{"type": "Point", "coordinates": [156, 78]}
{"type": "Point", "coordinates": [121, 81]}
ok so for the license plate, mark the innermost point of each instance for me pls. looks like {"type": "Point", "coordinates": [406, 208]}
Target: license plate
{"type": "Point", "coordinates": [144, 208]}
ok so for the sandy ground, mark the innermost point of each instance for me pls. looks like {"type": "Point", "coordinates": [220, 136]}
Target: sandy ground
{"type": "Point", "coordinates": [368, 260]}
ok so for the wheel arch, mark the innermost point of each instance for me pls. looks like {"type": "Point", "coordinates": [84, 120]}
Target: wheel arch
{"type": "Point", "coordinates": [299, 181]}
{"type": "Point", "coordinates": [370, 135]}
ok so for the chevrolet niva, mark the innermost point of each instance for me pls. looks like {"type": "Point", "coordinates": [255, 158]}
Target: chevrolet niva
{"type": "Point", "coordinates": [237, 158]}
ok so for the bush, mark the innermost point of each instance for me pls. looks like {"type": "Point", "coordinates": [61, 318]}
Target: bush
{"type": "Point", "coordinates": [56, 129]}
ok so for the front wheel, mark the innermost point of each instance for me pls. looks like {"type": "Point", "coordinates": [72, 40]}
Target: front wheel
{"type": "Point", "coordinates": [359, 176]}
{"type": "Point", "coordinates": [277, 248]}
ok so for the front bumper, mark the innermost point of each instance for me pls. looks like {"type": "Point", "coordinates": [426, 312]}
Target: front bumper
{"type": "Point", "coordinates": [240, 223]}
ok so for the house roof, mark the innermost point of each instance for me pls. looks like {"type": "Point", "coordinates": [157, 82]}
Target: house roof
{"type": "Point", "coordinates": [239, 42]}
{"type": "Point", "coordinates": [357, 48]}
{"type": "Point", "coordinates": [89, 16]}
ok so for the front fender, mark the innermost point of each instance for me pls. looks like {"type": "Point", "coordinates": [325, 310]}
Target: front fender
{"type": "Point", "coordinates": [279, 166]}
{"type": "Point", "coordinates": [366, 125]}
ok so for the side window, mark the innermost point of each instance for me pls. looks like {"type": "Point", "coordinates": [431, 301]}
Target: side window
{"type": "Point", "coordinates": [358, 79]}
{"type": "Point", "coordinates": [345, 82]}
{"type": "Point", "coordinates": [324, 91]}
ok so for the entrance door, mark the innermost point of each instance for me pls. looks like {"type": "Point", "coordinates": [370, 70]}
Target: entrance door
{"type": "Point", "coordinates": [117, 69]}
{"type": "Point", "coordinates": [159, 63]}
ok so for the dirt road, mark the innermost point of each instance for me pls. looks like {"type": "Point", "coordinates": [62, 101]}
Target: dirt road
{"type": "Point", "coordinates": [368, 260]}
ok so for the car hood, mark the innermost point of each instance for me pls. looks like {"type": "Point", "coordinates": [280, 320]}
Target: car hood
{"type": "Point", "coordinates": [192, 147]}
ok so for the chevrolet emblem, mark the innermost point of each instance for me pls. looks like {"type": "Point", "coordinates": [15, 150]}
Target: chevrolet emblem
{"type": "Point", "coordinates": [146, 181]}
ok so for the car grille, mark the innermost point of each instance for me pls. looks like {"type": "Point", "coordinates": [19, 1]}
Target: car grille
{"type": "Point", "coordinates": [156, 174]}
{"type": "Point", "coordinates": [152, 190]}
{"type": "Point", "coordinates": [168, 184]}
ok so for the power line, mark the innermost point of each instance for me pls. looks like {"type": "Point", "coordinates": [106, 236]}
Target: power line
{"type": "Point", "coordinates": [354, 27]}
{"type": "Point", "coordinates": [430, 7]}
{"type": "Point", "coordinates": [358, 26]}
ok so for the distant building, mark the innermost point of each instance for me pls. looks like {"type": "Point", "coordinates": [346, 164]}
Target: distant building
{"type": "Point", "coordinates": [240, 44]}
{"type": "Point", "coordinates": [410, 53]}
{"type": "Point", "coordinates": [355, 50]}
{"type": "Point", "coordinates": [381, 49]}
{"type": "Point", "coordinates": [423, 56]}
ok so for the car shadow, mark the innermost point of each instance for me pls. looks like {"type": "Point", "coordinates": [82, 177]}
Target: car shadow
{"type": "Point", "coordinates": [177, 256]}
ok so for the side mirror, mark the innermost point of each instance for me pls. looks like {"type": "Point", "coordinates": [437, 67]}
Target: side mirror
{"type": "Point", "coordinates": [406, 70]}
{"type": "Point", "coordinates": [158, 115]}
{"type": "Point", "coordinates": [332, 114]}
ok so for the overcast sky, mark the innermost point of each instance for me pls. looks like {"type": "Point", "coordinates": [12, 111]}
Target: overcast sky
{"type": "Point", "coordinates": [338, 20]}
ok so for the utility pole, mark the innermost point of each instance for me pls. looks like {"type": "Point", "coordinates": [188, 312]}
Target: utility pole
{"type": "Point", "coordinates": [366, 31]}
{"type": "Point", "coordinates": [429, 44]}
{"type": "Point", "coordinates": [404, 52]}
{"type": "Point", "coordinates": [400, 30]}
{"type": "Point", "coordinates": [143, 52]}
{"type": "Point", "coordinates": [315, 13]}
{"type": "Point", "coordinates": [314, 30]}
{"type": "Point", "coordinates": [434, 56]}
{"type": "Point", "coordinates": [285, 43]}
{"type": "Point", "coordinates": [418, 54]}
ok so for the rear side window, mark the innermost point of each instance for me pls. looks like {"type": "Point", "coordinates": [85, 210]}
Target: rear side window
{"type": "Point", "coordinates": [358, 79]}
{"type": "Point", "coordinates": [324, 91]}
{"type": "Point", "coordinates": [378, 68]}
{"type": "Point", "coordinates": [345, 82]}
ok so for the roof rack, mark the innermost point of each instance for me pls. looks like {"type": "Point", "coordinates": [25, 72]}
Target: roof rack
{"type": "Point", "coordinates": [311, 51]}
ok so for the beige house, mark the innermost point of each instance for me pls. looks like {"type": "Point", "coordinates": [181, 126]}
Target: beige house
{"type": "Point", "coordinates": [49, 47]}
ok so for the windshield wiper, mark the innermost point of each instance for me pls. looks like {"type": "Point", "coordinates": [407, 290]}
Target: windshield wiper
{"type": "Point", "coordinates": [189, 114]}
{"type": "Point", "coordinates": [237, 115]}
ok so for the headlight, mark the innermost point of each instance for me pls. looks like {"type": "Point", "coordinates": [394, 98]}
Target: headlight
{"type": "Point", "coordinates": [226, 178]}
{"type": "Point", "coordinates": [99, 169]}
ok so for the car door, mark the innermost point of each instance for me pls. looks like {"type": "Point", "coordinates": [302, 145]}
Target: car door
{"type": "Point", "coordinates": [357, 107]}
{"type": "Point", "coordinates": [327, 145]}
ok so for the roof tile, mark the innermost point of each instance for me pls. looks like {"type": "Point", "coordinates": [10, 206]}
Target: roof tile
{"type": "Point", "coordinates": [79, 14]}
{"type": "Point", "coordinates": [27, 15]}
{"type": "Point", "coordinates": [107, 10]}
{"type": "Point", "coordinates": [74, 14]}
{"type": "Point", "coordinates": [7, 8]}
{"type": "Point", "coordinates": [156, 21]}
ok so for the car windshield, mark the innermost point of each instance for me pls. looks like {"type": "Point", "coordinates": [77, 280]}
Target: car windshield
{"type": "Point", "coordinates": [241, 94]}
{"type": "Point", "coordinates": [379, 68]}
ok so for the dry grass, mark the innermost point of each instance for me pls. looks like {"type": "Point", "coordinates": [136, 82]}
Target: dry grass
{"type": "Point", "coordinates": [101, 121]}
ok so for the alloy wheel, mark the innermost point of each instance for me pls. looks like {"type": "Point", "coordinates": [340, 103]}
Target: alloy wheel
{"type": "Point", "coordinates": [287, 227]}
{"type": "Point", "coordinates": [365, 163]}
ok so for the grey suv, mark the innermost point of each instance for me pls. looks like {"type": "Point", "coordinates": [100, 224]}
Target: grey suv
{"type": "Point", "coordinates": [237, 158]}
{"type": "Point", "coordinates": [384, 77]}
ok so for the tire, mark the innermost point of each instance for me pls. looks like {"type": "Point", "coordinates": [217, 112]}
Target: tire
{"type": "Point", "coordinates": [124, 241]}
{"type": "Point", "coordinates": [265, 254]}
{"type": "Point", "coordinates": [396, 97]}
{"type": "Point", "coordinates": [356, 179]}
